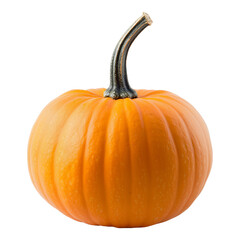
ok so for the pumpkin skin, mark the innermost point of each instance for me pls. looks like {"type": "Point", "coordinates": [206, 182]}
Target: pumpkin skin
{"type": "Point", "coordinates": [123, 163]}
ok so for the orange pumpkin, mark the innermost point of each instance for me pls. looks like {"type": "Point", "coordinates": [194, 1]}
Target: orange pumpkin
{"type": "Point", "coordinates": [129, 159]}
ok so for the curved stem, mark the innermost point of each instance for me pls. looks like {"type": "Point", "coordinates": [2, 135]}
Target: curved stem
{"type": "Point", "coordinates": [119, 86]}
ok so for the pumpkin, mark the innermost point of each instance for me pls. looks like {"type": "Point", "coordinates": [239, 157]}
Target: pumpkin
{"type": "Point", "coordinates": [120, 157]}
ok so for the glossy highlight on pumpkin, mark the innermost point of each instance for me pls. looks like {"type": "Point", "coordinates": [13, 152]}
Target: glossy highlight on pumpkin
{"type": "Point", "coordinates": [124, 163]}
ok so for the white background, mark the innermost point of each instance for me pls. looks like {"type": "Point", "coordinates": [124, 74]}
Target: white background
{"type": "Point", "coordinates": [191, 49]}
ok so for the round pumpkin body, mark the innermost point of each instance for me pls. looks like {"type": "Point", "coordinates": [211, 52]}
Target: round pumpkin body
{"type": "Point", "coordinates": [124, 163]}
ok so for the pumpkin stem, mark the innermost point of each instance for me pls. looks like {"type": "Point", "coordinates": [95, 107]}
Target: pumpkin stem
{"type": "Point", "coordinates": [119, 86]}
